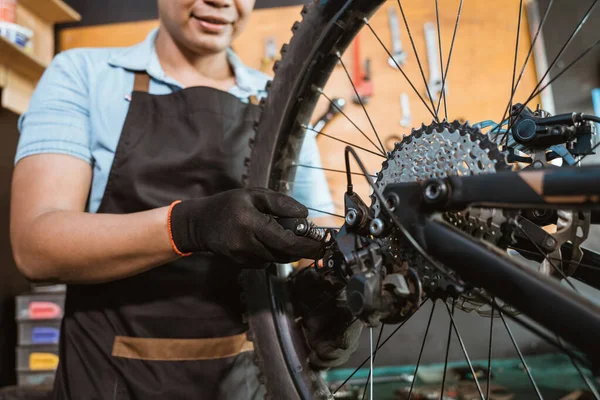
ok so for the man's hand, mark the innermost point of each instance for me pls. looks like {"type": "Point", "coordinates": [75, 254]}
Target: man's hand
{"type": "Point", "coordinates": [240, 225]}
{"type": "Point", "coordinates": [331, 329]}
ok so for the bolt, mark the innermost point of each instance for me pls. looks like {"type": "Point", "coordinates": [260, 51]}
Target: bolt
{"type": "Point", "coordinates": [376, 227]}
{"type": "Point", "coordinates": [351, 217]}
{"type": "Point", "coordinates": [392, 201]}
{"type": "Point", "coordinates": [550, 242]}
{"type": "Point", "coordinates": [330, 263]}
{"type": "Point", "coordinates": [435, 190]}
{"type": "Point", "coordinates": [300, 228]}
{"type": "Point", "coordinates": [538, 165]}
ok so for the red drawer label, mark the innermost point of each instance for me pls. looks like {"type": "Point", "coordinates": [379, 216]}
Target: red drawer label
{"type": "Point", "coordinates": [44, 310]}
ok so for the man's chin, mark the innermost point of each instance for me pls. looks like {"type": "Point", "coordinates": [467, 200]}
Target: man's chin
{"type": "Point", "coordinates": [210, 45]}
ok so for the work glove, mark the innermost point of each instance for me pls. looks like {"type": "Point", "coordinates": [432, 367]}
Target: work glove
{"type": "Point", "coordinates": [240, 225]}
{"type": "Point", "coordinates": [330, 328]}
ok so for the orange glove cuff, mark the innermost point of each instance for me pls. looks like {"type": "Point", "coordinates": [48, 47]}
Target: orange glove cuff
{"type": "Point", "coordinates": [173, 245]}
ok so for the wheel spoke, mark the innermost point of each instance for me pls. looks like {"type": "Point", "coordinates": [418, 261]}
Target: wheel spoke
{"type": "Point", "coordinates": [326, 212]}
{"type": "Point", "coordinates": [579, 264]}
{"type": "Point", "coordinates": [361, 102]}
{"type": "Point", "coordinates": [447, 350]}
{"type": "Point", "coordinates": [464, 350]}
{"type": "Point", "coordinates": [373, 361]}
{"type": "Point", "coordinates": [431, 111]}
{"type": "Point", "coordinates": [349, 120]}
{"type": "Point", "coordinates": [512, 85]}
{"type": "Point", "coordinates": [516, 86]}
{"type": "Point", "coordinates": [514, 342]}
{"type": "Point", "coordinates": [534, 329]}
{"type": "Point", "coordinates": [489, 368]}
{"type": "Point", "coordinates": [445, 75]}
{"type": "Point", "coordinates": [556, 268]}
{"type": "Point", "coordinates": [568, 42]}
{"type": "Point", "coordinates": [342, 141]}
{"type": "Point", "coordinates": [591, 152]}
{"type": "Point", "coordinates": [412, 384]}
{"type": "Point", "coordinates": [565, 69]}
{"type": "Point", "coordinates": [584, 377]}
{"type": "Point", "coordinates": [377, 349]}
{"type": "Point", "coordinates": [556, 59]}
{"type": "Point", "coordinates": [442, 95]}
{"type": "Point", "coordinates": [412, 42]}
{"type": "Point", "coordinates": [329, 169]}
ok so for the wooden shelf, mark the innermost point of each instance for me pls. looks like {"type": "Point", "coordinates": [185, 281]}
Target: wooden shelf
{"type": "Point", "coordinates": [14, 58]}
{"type": "Point", "coordinates": [53, 11]}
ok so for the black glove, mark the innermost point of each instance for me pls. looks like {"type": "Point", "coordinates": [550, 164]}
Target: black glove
{"type": "Point", "coordinates": [331, 329]}
{"type": "Point", "coordinates": [240, 225]}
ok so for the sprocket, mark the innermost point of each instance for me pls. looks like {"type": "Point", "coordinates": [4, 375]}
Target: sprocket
{"type": "Point", "coordinates": [440, 150]}
{"type": "Point", "coordinates": [446, 149]}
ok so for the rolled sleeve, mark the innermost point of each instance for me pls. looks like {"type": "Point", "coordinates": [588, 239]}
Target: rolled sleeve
{"type": "Point", "coordinates": [310, 186]}
{"type": "Point", "coordinates": [58, 120]}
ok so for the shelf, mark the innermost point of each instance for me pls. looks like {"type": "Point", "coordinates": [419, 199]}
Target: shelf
{"type": "Point", "coordinates": [14, 58]}
{"type": "Point", "coordinates": [53, 11]}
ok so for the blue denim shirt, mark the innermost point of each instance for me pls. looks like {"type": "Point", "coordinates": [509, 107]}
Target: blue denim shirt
{"type": "Point", "coordinates": [80, 104]}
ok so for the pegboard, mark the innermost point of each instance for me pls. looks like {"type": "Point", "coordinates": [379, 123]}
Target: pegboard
{"type": "Point", "coordinates": [478, 83]}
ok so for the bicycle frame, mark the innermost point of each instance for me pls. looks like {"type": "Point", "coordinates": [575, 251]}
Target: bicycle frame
{"type": "Point", "coordinates": [555, 307]}
{"type": "Point", "coordinates": [540, 297]}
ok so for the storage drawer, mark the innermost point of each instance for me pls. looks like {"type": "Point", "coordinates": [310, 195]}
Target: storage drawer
{"type": "Point", "coordinates": [38, 332]}
{"type": "Point", "coordinates": [30, 379]}
{"type": "Point", "coordinates": [40, 306]}
{"type": "Point", "coordinates": [47, 288]}
{"type": "Point", "coordinates": [37, 358]}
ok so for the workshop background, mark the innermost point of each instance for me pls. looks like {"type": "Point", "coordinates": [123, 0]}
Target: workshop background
{"type": "Point", "coordinates": [488, 53]}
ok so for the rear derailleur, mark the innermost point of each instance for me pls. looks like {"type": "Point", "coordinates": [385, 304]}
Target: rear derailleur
{"type": "Point", "coordinates": [379, 287]}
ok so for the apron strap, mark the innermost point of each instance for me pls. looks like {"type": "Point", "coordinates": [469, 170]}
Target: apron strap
{"type": "Point", "coordinates": [141, 82]}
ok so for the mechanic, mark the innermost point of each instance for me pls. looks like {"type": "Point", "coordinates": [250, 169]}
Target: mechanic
{"type": "Point", "coordinates": [128, 187]}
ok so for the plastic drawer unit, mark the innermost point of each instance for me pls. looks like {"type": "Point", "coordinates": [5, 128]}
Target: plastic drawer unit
{"type": "Point", "coordinates": [37, 358]}
{"type": "Point", "coordinates": [35, 378]}
{"type": "Point", "coordinates": [38, 332]}
{"type": "Point", "coordinates": [38, 306]}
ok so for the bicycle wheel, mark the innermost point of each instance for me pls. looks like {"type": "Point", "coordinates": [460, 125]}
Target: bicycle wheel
{"type": "Point", "coordinates": [326, 30]}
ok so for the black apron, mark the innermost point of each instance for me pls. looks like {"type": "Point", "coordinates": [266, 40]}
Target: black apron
{"type": "Point", "coordinates": [176, 331]}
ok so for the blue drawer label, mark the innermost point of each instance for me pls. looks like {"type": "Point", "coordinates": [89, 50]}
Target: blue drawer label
{"type": "Point", "coordinates": [43, 335]}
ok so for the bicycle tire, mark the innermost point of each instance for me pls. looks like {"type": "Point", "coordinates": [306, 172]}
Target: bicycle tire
{"type": "Point", "coordinates": [326, 29]}
{"type": "Point", "coordinates": [306, 60]}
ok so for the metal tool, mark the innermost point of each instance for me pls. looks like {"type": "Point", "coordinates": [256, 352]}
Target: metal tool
{"type": "Point", "coordinates": [435, 76]}
{"type": "Point", "coordinates": [335, 107]}
{"type": "Point", "coordinates": [405, 105]}
{"type": "Point", "coordinates": [398, 54]}
{"type": "Point", "coordinates": [361, 78]}
{"type": "Point", "coordinates": [270, 54]}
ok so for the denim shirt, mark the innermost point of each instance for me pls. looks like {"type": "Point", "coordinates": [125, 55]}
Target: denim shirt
{"type": "Point", "coordinates": [80, 104]}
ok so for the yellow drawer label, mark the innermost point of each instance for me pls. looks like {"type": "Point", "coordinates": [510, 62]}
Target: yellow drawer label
{"type": "Point", "coordinates": [43, 361]}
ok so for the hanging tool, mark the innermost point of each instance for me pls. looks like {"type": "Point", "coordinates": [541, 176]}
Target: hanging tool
{"type": "Point", "coordinates": [435, 76]}
{"type": "Point", "coordinates": [335, 107]}
{"type": "Point", "coordinates": [398, 54]}
{"type": "Point", "coordinates": [270, 54]}
{"type": "Point", "coordinates": [405, 105]}
{"type": "Point", "coordinates": [361, 78]}
{"type": "Point", "coordinates": [390, 141]}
